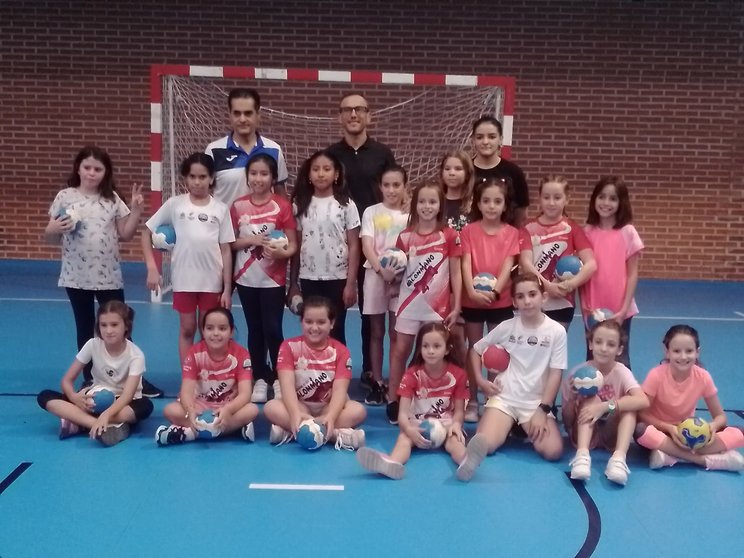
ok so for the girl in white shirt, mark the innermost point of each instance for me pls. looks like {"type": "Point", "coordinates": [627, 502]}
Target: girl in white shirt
{"type": "Point", "coordinates": [327, 259]}
{"type": "Point", "coordinates": [201, 262]}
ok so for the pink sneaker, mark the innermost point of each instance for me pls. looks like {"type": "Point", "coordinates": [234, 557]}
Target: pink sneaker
{"type": "Point", "coordinates": [659, 459]}
{"type": "Point", "coordinates": [67, 428]}
{"type": "Point", "coordinates": [731, 460]}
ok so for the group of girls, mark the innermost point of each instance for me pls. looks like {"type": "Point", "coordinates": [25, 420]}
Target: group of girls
{"type": "Point", "coordinates": [455, 229]}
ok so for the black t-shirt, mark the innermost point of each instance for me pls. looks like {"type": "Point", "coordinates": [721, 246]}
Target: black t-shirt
{"type": "Point", "coordinates": [454, 218]}
{"type": "Point", "coordinates": [363, 168]}
{"type": "Point", "coordinates": [512, 172]}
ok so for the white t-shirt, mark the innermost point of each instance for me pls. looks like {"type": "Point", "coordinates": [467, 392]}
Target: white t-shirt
{"type": "Point", "coordinates": [383, 225]}
{"type": "Point", "coordinates": [111, 372]}
{"type": "Point", "coordinates": [532, 353]}
{"type": "Point", "coordinates": [324, 253]}
{"type": "Point", "coordinates": [90, 255]}
{"type": "Point", "coordinates": [196, 260]}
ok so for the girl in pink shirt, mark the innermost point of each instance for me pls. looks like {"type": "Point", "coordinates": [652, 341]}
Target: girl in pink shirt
{"type": "Point", "coordinates": [547, 239]}
{"type": "Point", "coordinates": [617, 249]}
{"type": "Point", "coordinates": [431, 285]}
{"type": "Point", "coordinates": [608, 418]}
{"type": "Point", "coordinates": [217, 377]}
{"type": "Point", "coordinates": [673, 389]}
{"type": "Point", "coordinates": [490, 244]}
{"type": "Point", "coordinates": [433, 387]}
{"type": "Point", "coordinates": [314, 373]}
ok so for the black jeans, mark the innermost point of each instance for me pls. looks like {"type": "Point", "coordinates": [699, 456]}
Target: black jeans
{"type": "Point", "coordinates": [83, 308]}
{"type": "Point", "coordinates": [333, 290]}
{"type": "Point", "coordinates": [264, 310]}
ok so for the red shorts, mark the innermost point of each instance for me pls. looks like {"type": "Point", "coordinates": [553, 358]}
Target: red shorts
{"type": "Point", "coordinates": [187, 302]}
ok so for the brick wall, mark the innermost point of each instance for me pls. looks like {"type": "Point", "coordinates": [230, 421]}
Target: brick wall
{"type": "Point", "coordinates": [650, 90]}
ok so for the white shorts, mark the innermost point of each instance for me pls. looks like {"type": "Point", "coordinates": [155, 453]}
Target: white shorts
{"type": "Point", "coordinates": [377, 299]}
{"type": "Point", "coordinates": [520, 414]}
{"type": "Point", "coordinates": [410, 327]}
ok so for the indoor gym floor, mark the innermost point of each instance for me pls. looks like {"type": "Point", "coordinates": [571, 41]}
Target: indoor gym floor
{"type": "Point", "coordinates": [74, 498]}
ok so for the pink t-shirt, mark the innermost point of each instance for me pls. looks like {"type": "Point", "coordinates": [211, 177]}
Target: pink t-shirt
{"type": "Point", "coordinates": [425, 287]}
{"type": "Point", "coordinates": [673, 401]}
{"type": "Point", "coordinates": [487, 254]}
{"type": "Point", "coordinates": [612, 249]}
{"type": "Point", "coordinates": [314, 369]}
{"type": "Point", "coordinates": [548, 244]}
{"type": "Point", "coordinates": [433, 397]}
{"type": "Point", "coordinates": [617, 382]}
{"type": "Point", "coordinates": [251, 268]}
{"type": "Point", "coordinates": [217, 380]}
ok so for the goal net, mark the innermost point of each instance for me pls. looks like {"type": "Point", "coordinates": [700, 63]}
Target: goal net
{"type": "Point", "coordinates": [419, 117]}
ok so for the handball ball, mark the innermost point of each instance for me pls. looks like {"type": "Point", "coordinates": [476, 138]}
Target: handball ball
{"type": "Point", "coordinates": [567, 267]}
{"type": "Point", "coordinates": [277, 239]}
{"type": "Point", "coordinates": [587, 381]}
{"type": "Point", "coordinates": [164, 238]}
{"type": "Point", "coordinates": [496, 359]}
{"type": "Point", "coordinates": [205, 425]}
{"type": "Point", "coordinates": [485, 282]}
{"type": "Point", "coordinates": [295, 304]}
{"type": "Point", "coordinates": [434, 431]}
{"type": "Point", "coordinates": [597, 316]}
{"type": "Point", "coordinates": [695, 431]}
{"type": "Point", "coordinates": [102, 399]}
{"type": "Point", "coordinates": [311, 435]}
{"type": "Point", "coordinates": [393, 258]}
{"type": "Point", "coordinates": [73, 215]}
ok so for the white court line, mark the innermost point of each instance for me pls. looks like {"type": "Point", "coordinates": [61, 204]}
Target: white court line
{"type": "Point", "coordinates": [332, 487]}
{"type": "Point", "coordinates": [739, 314]}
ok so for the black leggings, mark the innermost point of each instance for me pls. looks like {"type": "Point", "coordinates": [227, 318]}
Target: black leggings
{"type": "Point", "coordinates": [83, 308]}
{"type": "Point", "coordinates": [263, 309]}
{"type": "Point", "coordinates": [332, 289]}
{"type": "Point", "coordinates": [142, 407]}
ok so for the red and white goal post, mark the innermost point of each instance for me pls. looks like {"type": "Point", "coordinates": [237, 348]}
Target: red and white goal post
{"type": "Point", "coordinates": [419, 115]}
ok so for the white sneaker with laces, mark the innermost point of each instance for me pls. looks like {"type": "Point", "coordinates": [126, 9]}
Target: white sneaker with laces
{"type": "Point", "coordinates": [278, 435]}
{"type": "Point", "coordinates": [659, 459]}
{"type": "Point", "coordinates": [731, 460]}
{"type": "Point", "coordinates": [617, 471]}
{"type": "Point", "coordinates": [378, 462]}
{"type": "Point", "coordinates": [581, 466]}
{"type": "Point", "coordinates": [277, 389]}
{"type": "Point", "coordinates": [260, 392]}
{"type": "Point", "coordinates": [349, 438]}
{"type": "Point", "coordinates": [248, 433]}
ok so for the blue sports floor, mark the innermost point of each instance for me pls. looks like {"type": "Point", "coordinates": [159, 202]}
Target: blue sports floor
{"type": "Point", "coordinates": [75, 498]}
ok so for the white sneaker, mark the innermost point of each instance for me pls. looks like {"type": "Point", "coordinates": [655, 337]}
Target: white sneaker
{"type": "Point", "coordinates": [260, 392]}
{"type": "Point", "coordinates": [581, 466]}
{"type": "Point", "coordinates": [659, 459]}
{"type": "Point", "coordinates": [617, 471]}
{"type": "Point", "coordinates": [476, 451]}
{"type": "Point", "coordinates": [277, 389]}
{"type": "Point", "coordinates": [378, 462]}
{"type": "Point", "coordinates": [731, 460]}
{"type": "Point", "coordinates": [249, 435]}
{"type": "Point", "coordinates": [349, 438]}
{"type": "Point", "coordinates": [471, 412]}
{"type": "Point", "coordinates": [278, 435]}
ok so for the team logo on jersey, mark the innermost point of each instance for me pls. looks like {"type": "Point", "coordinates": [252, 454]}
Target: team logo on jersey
{"type": "Point", "coordinates": [110, 372]}
{"type": "Point", "coordinates": [231, 158]}
{"type": "Point", "coordinates": [545, 341]}
{"type": "Point", "coordinates": [532, 340]}
{"type": "Point", "coordinates": [247, 363]}
{"type": "Point", "coordinates": [548, 252]}
{"type": "Point", "coordinates": [203, 217]}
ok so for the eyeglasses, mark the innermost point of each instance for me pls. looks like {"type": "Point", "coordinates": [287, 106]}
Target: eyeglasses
{"type": "Point", "coordinates": [348, 110]}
